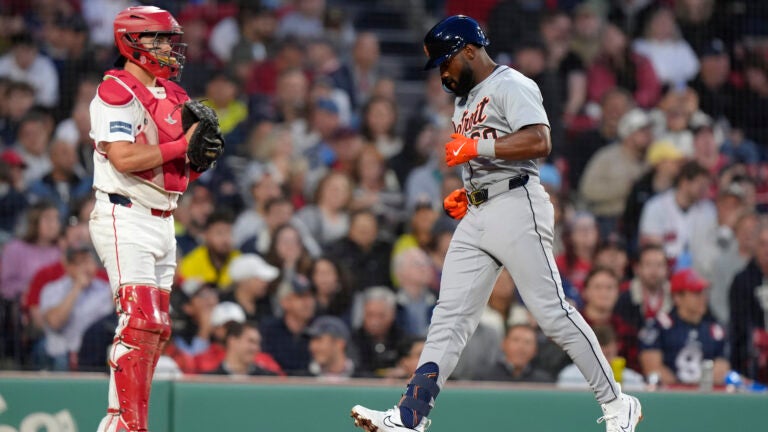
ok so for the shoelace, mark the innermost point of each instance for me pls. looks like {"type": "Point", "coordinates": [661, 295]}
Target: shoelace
{"type": "Point", "coordinates": [427, 424]}
{"type": "Point", "coordinates": [607, 418]}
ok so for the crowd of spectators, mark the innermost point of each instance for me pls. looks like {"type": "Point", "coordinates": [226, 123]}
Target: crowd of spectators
{"type": "Point", "coordinates": [315, 246]}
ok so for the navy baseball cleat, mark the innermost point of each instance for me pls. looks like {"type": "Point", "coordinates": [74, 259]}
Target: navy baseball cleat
{"type": "Point", "coordinates": [622, 415]}
{"type": "Point", "coordinates": [384, 421]}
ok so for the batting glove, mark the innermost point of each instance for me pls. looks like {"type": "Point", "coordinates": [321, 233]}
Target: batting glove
{"type": "Point", "coordinates": [461, 149]}
{"type": "Point", "coordinates": [455, 204]}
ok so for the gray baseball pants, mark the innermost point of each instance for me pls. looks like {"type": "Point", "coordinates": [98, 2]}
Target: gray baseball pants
{"type": "Point", "coordinates": [513, 230]}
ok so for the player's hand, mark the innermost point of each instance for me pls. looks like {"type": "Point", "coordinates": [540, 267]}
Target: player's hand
{"type": "Point", "coordinates": [191, 131]}
{"type": "Point", "coordinates": [456, 204]}
{"type": "Point", "coordinates": [461, 149]}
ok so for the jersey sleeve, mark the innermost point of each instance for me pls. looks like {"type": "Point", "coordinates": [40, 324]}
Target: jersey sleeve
{"type": "Point", "coordinates": [523, 104]}
{"type": "Point", "coordinates": [110, 123]}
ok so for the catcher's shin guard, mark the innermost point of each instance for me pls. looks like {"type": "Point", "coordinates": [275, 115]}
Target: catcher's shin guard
{"type": "Point", "coordinates": [143, 327]}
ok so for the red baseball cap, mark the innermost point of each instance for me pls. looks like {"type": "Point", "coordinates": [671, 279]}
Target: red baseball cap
{"type": "Point", "coordinates": [12, 158]}
{"type": "Point", "coordinates": [687, 280]}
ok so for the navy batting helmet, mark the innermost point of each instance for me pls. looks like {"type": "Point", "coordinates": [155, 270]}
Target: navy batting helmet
{"type": "Point", "coordinates": [449, 36]}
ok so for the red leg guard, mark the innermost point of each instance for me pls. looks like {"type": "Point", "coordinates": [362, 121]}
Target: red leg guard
{"type": "Point", "coordinates": [143, 323]}
{"type": "Point", "coordinates": [164, 305]}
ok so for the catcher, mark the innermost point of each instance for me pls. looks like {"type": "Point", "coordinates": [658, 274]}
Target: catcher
{"type": "Point", "coordinates": [150, 142]}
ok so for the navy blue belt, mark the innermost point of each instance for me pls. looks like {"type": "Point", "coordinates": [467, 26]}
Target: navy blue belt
{"type": "Point", "coordinates": [124, 201]}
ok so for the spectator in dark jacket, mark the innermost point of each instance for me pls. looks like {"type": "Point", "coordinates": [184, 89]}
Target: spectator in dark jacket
{"type": "Point", "coordinates": [328, 345]}
{"type": "Point", "coordinates": [378, 337]}
{"type": "Point", "coordinates": [716, 94]}
{"type": "Point", "coordinates": [749, 310]}
{"type": "Point", "coordinates": [251, 276]}
{"type": "Point", "coordinates": [284, 337]}
{"type": "Point", "coordinates": [518, 349]}
{"type": "Point", "coordinates": [362, 251]}
{"type": "Point", "coordinates": [62, 185]}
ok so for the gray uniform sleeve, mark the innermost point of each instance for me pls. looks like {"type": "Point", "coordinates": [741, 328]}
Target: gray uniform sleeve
{"type": "Point", "coordinates": [523, 105]}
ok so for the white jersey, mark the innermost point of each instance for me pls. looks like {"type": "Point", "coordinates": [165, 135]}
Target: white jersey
{"type": "Point", "coordinates": [499, 105]}
{"type": "Point", "coordinates": [129, 122]}
{"type": "Point", "coordinates": [662, 217]}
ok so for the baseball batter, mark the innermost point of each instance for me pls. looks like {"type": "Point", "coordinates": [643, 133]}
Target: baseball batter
{"type": "Point", "coordinates": [507, 221]}
{"type": "Point", "coordinates": [140, 169]}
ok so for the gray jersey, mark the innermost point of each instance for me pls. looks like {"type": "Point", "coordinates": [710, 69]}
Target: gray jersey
{"type": "Point", "coordinates": [499, 105]}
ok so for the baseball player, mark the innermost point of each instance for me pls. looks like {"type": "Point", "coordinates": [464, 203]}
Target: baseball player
{"type": "Point", "coordinates": [148, 146]}
{"type": "Point", "coordinates": [506, 221]}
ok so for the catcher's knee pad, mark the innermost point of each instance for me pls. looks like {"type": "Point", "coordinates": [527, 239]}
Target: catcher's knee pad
{"type": "Point", "coordinates": [420, 394]}
{"type": "Point", "coordinates": [146, 307]}
{"type": "Point", "coordinates": [143, 326]}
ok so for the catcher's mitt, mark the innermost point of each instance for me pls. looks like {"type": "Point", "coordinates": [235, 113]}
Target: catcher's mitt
{"type": "Point", "coordinates": [206, 144]}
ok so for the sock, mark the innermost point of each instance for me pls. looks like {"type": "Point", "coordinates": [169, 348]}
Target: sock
{"type": "Point", "coordinates": [409, 415]}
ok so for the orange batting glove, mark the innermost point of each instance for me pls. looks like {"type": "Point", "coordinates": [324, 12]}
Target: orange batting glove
{"type": "Point", "coordinates": [460, 150]}
{"type": "Point", "coordinates": [455, 204]}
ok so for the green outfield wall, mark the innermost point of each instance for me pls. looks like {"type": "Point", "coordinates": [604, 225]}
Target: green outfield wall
{"type": "Point", "coordinates": [69, 404]}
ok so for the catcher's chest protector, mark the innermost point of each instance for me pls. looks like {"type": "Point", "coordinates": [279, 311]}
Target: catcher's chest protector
{"type": "Point", "coordinates": [172, 176]}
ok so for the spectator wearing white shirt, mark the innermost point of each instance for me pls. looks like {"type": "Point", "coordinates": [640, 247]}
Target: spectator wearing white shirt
{"type": "Point", "coordinates": [70, 304]}
{"type": "Point", "coordinates": [25, 63]}
{"type": "Point", "coordinates": [672, 57]}
{"type": "Point", "coordinates": [679, 218]}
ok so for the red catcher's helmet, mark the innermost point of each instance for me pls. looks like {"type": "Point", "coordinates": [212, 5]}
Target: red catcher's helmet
{"type": "Point", "coordinates": [135, 22]}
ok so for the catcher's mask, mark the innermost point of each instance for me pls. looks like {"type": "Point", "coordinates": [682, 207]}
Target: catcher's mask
{"type": "Point", "coordinates": [163, 55]}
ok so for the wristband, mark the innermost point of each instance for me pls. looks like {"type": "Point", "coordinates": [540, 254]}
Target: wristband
{"type": "Point", "coordinates": [486, 147]}
{"type": "Point", "coordinates": [173, 149]}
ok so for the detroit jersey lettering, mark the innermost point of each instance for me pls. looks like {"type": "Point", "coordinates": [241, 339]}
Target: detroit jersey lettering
{"type": "Point", "coordinates": [501, 104]}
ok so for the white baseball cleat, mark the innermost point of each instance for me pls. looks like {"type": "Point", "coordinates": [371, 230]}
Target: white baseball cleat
{"type": "Point", "coordinates": [384, 421]}
{"type": "Point", "coordinates": [622, 415]}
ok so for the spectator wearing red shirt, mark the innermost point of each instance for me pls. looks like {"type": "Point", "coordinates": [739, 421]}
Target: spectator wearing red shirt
{"type": "Point", "coordinates": [76, 232]}
{"type": "Point", "coordinates": [222, 315]}
{"type": "Point", "coordinates": [242, 341]}
{"type": "Point", "coordinates": [580, 241]}
{"type": "Point", "coordinates": [618, 66]}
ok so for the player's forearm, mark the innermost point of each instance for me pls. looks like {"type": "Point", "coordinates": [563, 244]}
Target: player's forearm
{"type": "Point", "coordinates": [131, 157]}
{"type": "Point", "coordinates": [530, 142]}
